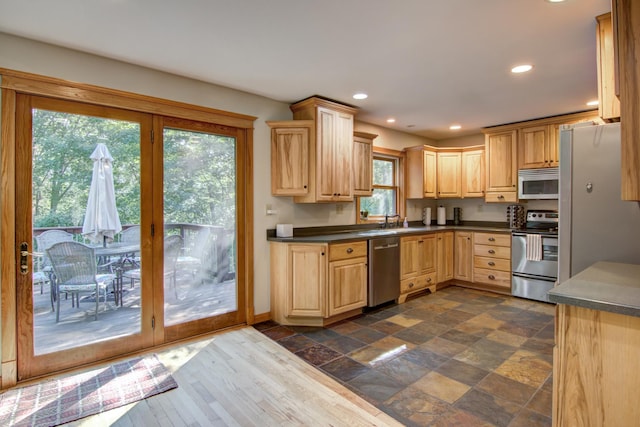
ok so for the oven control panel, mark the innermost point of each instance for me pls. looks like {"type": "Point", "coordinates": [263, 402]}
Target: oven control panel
{"type": "Point", "coordinates": [542, 216]}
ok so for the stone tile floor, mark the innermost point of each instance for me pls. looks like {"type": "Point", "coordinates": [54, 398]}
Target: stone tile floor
{"type": "Point", "coordinates": [459, 357]}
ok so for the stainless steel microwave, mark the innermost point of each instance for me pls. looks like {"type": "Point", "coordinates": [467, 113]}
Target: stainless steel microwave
{"type": "Point", "coordinates": [538, 183]}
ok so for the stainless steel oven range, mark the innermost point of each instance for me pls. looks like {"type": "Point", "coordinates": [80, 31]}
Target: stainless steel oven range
{"type": "Point", "coordinates": [534, 256]}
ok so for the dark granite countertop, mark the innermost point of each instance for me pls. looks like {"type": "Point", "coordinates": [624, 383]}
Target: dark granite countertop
{"type": "Point", "coordinates": [606, 286]}
{"type": "Point", "coordinates": [351, 233]}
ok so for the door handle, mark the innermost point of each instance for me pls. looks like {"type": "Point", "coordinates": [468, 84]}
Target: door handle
{"type": "Point", "coordinates": [24, 254]}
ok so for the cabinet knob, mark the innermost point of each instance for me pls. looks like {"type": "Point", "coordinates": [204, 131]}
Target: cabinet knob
{"type": "Point", "coordinates": [491, 239]}
{"type": "Point", "coordinates": [491, 263]}
{"type": "Point", "coordinates": [411, 285]}
{"type": "Point", "coordinates": [492, 277]}
{"type": "Point", "coordinates": [513, 185]}
{"type": "Point", "coordinates": [491, 251]}
{"type": "Point", "coordinates": [304, 186]}
{"type": "Point", "coordinates": [349, 250]}
{"type": "Point", "coordinates": [429, 280]}
{"type": "Point", "coordinates": [322, 254]}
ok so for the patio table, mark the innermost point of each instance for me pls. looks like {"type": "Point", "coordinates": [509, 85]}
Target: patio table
{"type": "Point", "coordinates": [104, 253]}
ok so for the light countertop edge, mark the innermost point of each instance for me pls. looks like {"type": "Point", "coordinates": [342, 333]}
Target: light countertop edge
{"type": "Point", "coordinates": [605, 286]}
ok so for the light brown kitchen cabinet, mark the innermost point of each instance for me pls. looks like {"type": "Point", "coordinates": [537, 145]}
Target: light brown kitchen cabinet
{"type": "Point", "coordinates": [473, 173]}
{"type": "Point", "coordinates": [444, 267]}
{"type": "Point", "coordinates": [347, 277]}
{"type": "Point", "coordinates": [492, 260]}
{"type": "Point", "coordinates": [331, 150]}
{"type": "Point", "coordinates": [463, 257]}
{"type": "Point", "coordinates": [290, 141]}
{"type": "Point", "coordinates": [317, 284]}
{"type": "Point", "coordinates": [626, 17]}
{"type": "Point", "coordinates": [609, 105]}
{"type": "Point", "coordinates": [417, 264]}
{"type": "Point", "coordinates": [538, 147]}
{"type": "Point", "coordinates": [421, 173]}
{"type": "Point", "coordinates": [501, 166]}
{"type": "Point", "coordinates": [363, 163]}
{"type": "Point", "coordinates": [449, 171]}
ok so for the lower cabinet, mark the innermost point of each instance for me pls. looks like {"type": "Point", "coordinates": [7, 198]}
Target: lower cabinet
{"type": "Point", "coordinates": [444, 267]}
{"type": "Point", "coordinates": [311, 284]}
{"type": "Point", "coordinates": [463, 257]}
{"type": "Point", "coordinates": [418, 258]}
{"type": "Point", "coordinates": [492, 260]}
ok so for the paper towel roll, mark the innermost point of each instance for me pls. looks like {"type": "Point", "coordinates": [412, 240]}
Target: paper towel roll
{"type": "Point", "coordinates": [442, 215]}
{"type": "Point", "coordinates": [426, 216]}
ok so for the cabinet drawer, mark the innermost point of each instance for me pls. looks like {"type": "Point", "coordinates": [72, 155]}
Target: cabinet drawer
{"type": "Point", "coordinates": [493, 239]}
{"type": "Point", "coordinates": [492, 277]}
{"type": "Point", "coordinates": [501, 197]}
{"type": "Point", "coordinates": [347, 250]}
{"type": "Point", "coordinates": [492, 263]}
{"type": "Point", "coordinates": [492, 251]}
{"type": "Point", "coordinates": [416, 283]}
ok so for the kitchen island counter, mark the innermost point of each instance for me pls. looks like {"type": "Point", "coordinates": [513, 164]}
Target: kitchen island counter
{"type": "Point", "coordinates": [605, 286]}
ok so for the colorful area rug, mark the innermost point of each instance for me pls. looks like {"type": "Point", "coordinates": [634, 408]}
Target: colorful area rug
{"type": "Point", "coordinates": [66, 399]}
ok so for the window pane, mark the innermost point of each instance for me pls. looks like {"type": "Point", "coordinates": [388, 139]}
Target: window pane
{"type": "Point", "coordinates": [382, 202]}
{"type": "Point", "coordinates": [383, 172]}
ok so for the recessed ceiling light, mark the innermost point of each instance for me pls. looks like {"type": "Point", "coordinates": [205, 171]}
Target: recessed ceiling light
{"type": "Point", "coordinates": [593, 103]}
{"type": "Point", "coordinates": [522, 68]}
{"type": "Point", "coordinates": [455, 127]}
{"type": "Point", "coordinates": [360, 95]}
{"type": "Point", "coordinates": [392, 120]}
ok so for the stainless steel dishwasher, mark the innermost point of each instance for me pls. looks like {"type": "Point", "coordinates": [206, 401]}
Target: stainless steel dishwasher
{"type": "Point", "coordinates": [384, 270]}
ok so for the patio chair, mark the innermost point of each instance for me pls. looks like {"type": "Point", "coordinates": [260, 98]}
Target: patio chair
{"type": "Point", "coordinates": [44, 241]}
{"type": "Point", "coordinates": [75, 269]}
{"type": "Point", "coordinates": [172, 248]}
{"type": "Point", "coordinates": [130, 235]}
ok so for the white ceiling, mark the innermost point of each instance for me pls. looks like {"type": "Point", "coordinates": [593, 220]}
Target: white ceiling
{"type": "Point", "coordinates": [427, 63]}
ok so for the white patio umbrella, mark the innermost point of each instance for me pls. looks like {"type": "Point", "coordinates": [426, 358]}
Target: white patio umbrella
{"type": "Point", "coordinates": [101, 220]}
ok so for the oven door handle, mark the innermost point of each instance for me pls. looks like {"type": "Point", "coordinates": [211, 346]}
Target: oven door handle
{"type": "Point", "coordinates": [534, 277]}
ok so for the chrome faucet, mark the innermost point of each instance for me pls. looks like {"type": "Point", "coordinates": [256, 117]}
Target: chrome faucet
{"type": "Point", "coordinates": [391, 225]}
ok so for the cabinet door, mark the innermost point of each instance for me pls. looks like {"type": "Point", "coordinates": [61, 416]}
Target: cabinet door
{"type": "Point", "coordinates": [409, 263]}
{"type": "Point", "coordinates": [609, 105]}
{"type": "Point", "coordinates": [449, 174]}
{"type": "Point", "coordinates": [343, 155]}
{"type": "Point", "coordinates": [444, 269]}
{"type": "Point", "coordinates": [463, 258]}
{"type": "Point", "coordinates": [501, 162]}
{"type": "Point", "coordinates": [362, 164]}
{"type": "Point", "coordinates": [473, 173]}
{"type": "Point", "coordinates": [289, 161]}
{"type": "Point", "coordinates": [307, 280]}
{"type": "Point", "coordinates": [426, 254]}
{"type": "Point", "coordinates": [347, 285]}
{"type": "Point", "coordinates": [429, 176]}
{"type": "Point", "coordinates": [553, 146]}
{"type": "Point", "coordinates": [326, 146]}
{"type": "Point", "coordinates": [533, 147]}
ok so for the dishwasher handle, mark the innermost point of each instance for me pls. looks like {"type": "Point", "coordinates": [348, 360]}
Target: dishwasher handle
{"type": "Point", "coordinates": [390, 245]}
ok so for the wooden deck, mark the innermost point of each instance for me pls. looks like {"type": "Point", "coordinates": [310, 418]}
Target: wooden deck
{"type": "Point", "coordinates": [77, 325]}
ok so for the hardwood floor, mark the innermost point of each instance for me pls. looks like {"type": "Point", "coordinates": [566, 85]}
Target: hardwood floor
{"type": "Point", "coordinates": [243, 378]}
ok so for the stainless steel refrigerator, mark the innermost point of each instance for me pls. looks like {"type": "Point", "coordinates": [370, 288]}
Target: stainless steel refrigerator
{"type": "Point", "coordinates": [595, 224]}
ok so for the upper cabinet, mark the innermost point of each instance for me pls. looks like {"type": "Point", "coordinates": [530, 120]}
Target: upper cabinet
{"type": "Point", "coordinates": [609, 106]}
{"type": "Point", "coordinates": [312, 156]}
{"type": "Point", "coordinates": [501, 165]}
{"type": "Point", "coordinates": [626, 17]}
{"type": "Point", "coordinates": [290, 141]}
{"type": "Point", "coordinates": [473, 173]}
{"type": "Point", "coordinates": [449, 168]}
{"type": "Point", "coordinates": [363, 163]}
{"type": "Point", "coordinates": [421, 172]}
{"type": "Point", "coordinates": [434, 173]}
{"type": "Point", "coordinates": [538, 147]}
